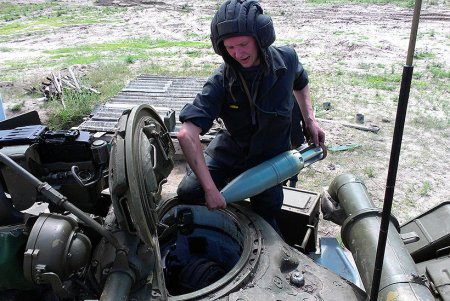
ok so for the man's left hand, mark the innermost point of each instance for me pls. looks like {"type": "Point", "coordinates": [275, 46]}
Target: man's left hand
{"type": "Point", "coordinates": [317, 135]}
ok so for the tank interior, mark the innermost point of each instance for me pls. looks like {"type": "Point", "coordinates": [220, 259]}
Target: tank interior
{"type": "Point", "coordinates": [198, 247]}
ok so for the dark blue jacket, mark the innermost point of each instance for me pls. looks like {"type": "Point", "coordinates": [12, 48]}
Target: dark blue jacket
{"type": "Point", "coordinates": [244, 144]}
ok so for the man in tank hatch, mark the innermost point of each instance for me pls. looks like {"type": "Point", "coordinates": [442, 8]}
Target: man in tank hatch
{"type": "Point", "coordinates": [254, 92]}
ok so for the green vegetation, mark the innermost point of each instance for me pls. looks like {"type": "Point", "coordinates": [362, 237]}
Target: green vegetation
{"type": "Point", "coordinates": [77, 105]}
{"type": "Point", "coordinates": [420, 55]}
{"type": "Point", "coordinates": [358, 71]}
{"type": "Point", "coordinates": [12, 28]}
{"type": "Point", "coordinates": [186, 8]}
{"type": "Point", "coordinates": [403, 3]}
{"type": "Point", "coordinates": [193, 53]}
{"type": "Point", "coordinates": [339, 32]}
{"type": "Point", "coordinates": [438, 70]}
{"type": "Point", "coordinates": [111, 64]}
{"type": "Point", "coordinates": [31, 17]}
{"type": "Point", "coordinates": [425, 189]}
{"type": "Point", "coordinates": [370, 171]}
{"type": "Point", "coordinates": [128, 51]}
{"type": "Point", "coordinates": [109, 79]}
{"type": "Point", "coordinates": [129, 59]}
{"type": "Point", "coordinates": [129, 45]}
{"type": "Point", "coordinates": [426, 120]}
{"type": "Point", "coordinates": [389, 82]}
{"type": "Point", "coordinates": [298, 40]}
{"type": "Point", "coordinates": [17, 107]}
{"type": "Point", "coordinates": [10, 12]}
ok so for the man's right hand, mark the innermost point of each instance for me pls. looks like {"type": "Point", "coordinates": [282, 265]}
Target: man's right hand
{"type": "Point", "coordinates": [214, 199]}
{"type": "Point", "coordinates": [188, 136]}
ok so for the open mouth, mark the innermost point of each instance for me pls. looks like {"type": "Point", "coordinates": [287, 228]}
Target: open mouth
{"type": "Point", "coordinates": [244, 60]}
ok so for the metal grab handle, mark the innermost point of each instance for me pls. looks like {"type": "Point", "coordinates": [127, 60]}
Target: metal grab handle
{"type": "Point", "coordinates": [306, 238]}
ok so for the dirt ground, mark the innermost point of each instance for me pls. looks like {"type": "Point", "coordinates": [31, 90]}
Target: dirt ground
{"type": "Point", "coordinates": [374, 34]}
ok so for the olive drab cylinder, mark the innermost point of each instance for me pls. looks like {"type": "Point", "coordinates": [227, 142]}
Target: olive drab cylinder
{"type": "Point", "coordinates": [359, 232]}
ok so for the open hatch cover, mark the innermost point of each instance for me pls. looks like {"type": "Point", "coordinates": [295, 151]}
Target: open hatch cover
{"type": "Point", "coordinates": [141, 159]}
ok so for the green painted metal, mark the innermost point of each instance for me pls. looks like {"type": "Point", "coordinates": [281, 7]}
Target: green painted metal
{"type": "Point", "coordinates": [400, 279]}
{"type": "Point", "coordinates": [433, 238]}
{"type": "Point", "coordinates": [12, 242]}
{"type": "Point", "coordinates": [141, 160]}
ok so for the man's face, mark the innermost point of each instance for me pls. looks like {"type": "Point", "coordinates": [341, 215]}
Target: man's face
{"type": "Point", "coordinates": [243, 49]}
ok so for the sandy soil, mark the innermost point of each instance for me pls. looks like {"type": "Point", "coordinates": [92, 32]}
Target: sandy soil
{"type": "Point", "coordinates": [375, 34]}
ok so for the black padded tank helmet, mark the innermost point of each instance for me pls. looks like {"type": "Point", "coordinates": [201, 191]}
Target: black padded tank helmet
{"type": "Point", "coordinates": [241, 17]}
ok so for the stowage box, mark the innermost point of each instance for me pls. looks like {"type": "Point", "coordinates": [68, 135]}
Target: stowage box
{"type": "Point", "coordinates": [433, 230]}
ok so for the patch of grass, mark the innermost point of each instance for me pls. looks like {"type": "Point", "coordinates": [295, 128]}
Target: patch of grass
{"type": "Point", "coordinates": [8, 77]}
{"type": "Point", "coordinates": [83, 59]}
{"type": "Point", "coordinates": [430, 33]}
{"type": "Point", "coordinates": [77, 105]}
{"type": "Point", "coordinates": [364, 66]}
{"type": "Point", "coordinates": [388, 82]}
{"type": "Point", "coordinates": [129, 59]}
{"type": "Point", "coordinates": [203, 70]}
{"type": "Point", "coordinates": [194, 53]}
{"type": "Point", "coordinates": [129, 45]}
{"type": "Point", "coordinates": [162, 54]}
{"type": "Point", "coordinates": [6, 49]}
{"type": "Point", "coordinates": [17, 107]}
{"type": "Point", "coordinates": [409, 200]}
{"type": "Point", "coordinates": [420, 55]}
{"type": "Point", "coordinates": [186, 8]}
{"type": "Point", "coordinates": [10, 11]}
{"type": "Point", "coordinates": [109, 78]}
{"type": "Point", "coordinates": [194, 35]}
{"type": "Point", "coordinates": [127, 51]}
{"type": "Point", "coordinates": [187, 69]}
{"type": "Point", "coordinates": [209, 17]}
{"type": "Point", "coordinates": [417, 75]}
{"type": "Point", "coordinates": [425, 189]}
{"type": "Point", "coordinates": [357, 96]}
{"type": "Point", "coordinates": [420, 84]}
{"type": "Point", "coordinates": [155, 68]}
{"type": "Point", "coordinates": [427, 121]}
{"type": "Point", "coordinates": [28, 18]}
{"type": "Point", "coordinates": [186, 64]}
{"type": "Point", "coordinates": [12, 27]}
{"type": "Point", "coordinates": [338, 32]}
{"type": "Point", "coordinates": [402, 3]}
{"type": "Point", "coordinates": [279, 42]}
{"type": "Point", "coordinates": [22, 64]}
{"type": "Point", "coordinates": [438, 70]}
{"type": "Point", "coordinates": [370, 172]}
{"type": "Point", "coordinates": [362, 38]}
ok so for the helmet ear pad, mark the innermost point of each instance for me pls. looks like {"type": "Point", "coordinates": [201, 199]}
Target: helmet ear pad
{"type": "Point", "coordinates": [265, 32]}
